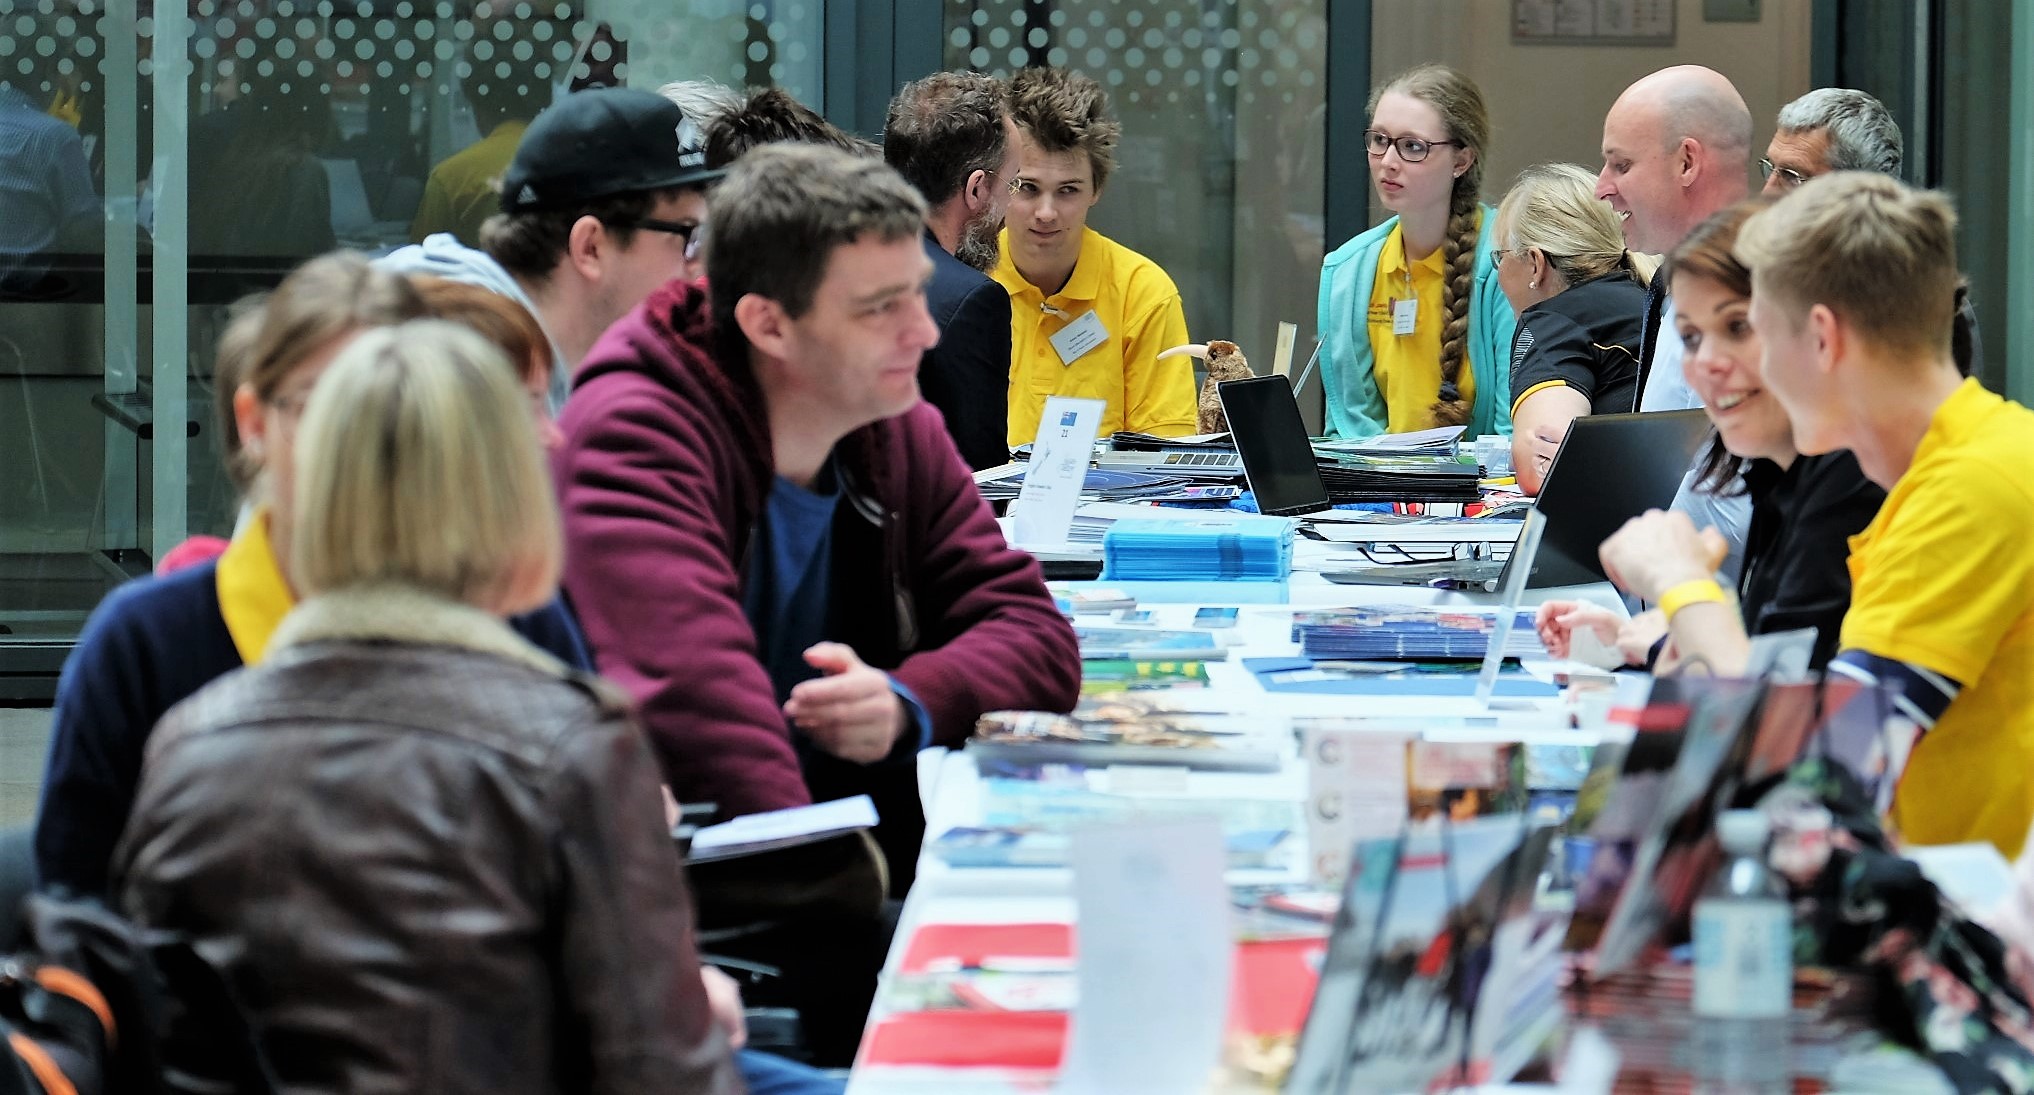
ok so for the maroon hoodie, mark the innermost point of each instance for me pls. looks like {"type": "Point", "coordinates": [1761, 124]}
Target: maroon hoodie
{"type": "Point", "coordinates": [664, 472]}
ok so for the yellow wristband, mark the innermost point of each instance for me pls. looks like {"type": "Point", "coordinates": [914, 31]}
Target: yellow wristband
{"type": "Point", "coordinates": [1699, 591]}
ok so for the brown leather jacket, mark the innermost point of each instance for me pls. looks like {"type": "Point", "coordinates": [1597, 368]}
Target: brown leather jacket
{"type": "Point", "coordinates": [427, 858]}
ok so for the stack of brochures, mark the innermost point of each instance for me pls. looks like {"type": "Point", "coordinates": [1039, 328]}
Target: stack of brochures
{"type": "Point", "coordinates": [1103, 642]}
{"type": "Point", "coordinates": [1124, 729]}
{"type": "Point", "coordinates": [1440, 439]}
{"type": "Point", "coordinates": [1388, 632]}
{"type": "Point", "coordinates": [1003, 484]}
{"type": "Point", "coordinates": [1214, 547]}
{"type": "Point", "coordinates": [1398, 477]}
{"type": "Point", "coordinates": [1132, 441]}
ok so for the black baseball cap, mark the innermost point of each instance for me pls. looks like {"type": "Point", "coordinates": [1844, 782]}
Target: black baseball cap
{"type": "Point", "coordinates": [602, 141]}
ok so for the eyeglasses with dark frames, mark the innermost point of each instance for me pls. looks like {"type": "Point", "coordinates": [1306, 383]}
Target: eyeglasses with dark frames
{"type": "Point", "coordinates": [692, 232]}
{"type": "Point", "coordinates": [1410, 149]}
{"type": "Point", "coordinates": [1789, 177]}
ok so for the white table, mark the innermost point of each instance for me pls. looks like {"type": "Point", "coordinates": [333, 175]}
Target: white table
{"type": "Point", "coordinates": [953, 793]}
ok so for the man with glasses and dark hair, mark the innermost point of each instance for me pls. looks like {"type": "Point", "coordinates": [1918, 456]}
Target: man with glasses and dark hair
{"type": "Point", "coordinates": [604, 201]}
{"type": "Point", "coordinates": [950, 135]}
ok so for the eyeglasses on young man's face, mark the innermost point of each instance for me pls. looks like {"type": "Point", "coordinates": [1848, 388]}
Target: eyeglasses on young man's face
{"type": "Point", "coordinates": [1789, 177]}
{"type": "Point", "coordinates": [1410, 149]}
{"type": "Point", "coordinates": [692, 232]}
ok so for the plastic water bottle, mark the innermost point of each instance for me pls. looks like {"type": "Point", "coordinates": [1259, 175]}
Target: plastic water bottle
{"type": "Point", "coordinates": [1744, 966]}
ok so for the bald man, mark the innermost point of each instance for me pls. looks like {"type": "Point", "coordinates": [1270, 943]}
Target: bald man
{"type": "Point", "coordinates": [1677, 148]}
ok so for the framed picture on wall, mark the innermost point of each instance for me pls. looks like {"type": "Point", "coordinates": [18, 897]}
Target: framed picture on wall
{"type": "Point", "coordinates": [1593, 22]}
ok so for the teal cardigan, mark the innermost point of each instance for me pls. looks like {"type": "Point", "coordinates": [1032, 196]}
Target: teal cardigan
{"type": "Point", "coordinates": [1355, 406]}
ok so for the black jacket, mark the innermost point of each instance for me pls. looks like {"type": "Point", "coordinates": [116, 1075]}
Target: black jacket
{"type": "Point", "coordinates": [967, 376]}
{"type": "Point", "coordinates": [1795, 570]}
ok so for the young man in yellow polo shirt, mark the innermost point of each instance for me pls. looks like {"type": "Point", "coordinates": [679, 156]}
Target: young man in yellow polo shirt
{"type": "Point", "coordinates": [1088, 316]}
{"type": "Point", "coordinates": [1853, 293]}
{"type": "Point", "coordinates": [462, 191]}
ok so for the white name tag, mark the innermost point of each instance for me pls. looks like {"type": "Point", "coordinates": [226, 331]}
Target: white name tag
{"type": "Point", "coordinates": [1079, 337]}
{"type": "Point", "coordinates": [1405, 315]}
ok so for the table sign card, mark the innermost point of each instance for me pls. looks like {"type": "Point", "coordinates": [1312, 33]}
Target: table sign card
{"type": "Point", "coordinates": [1059, 466]}
{"type": "Point", "coordinates": [1155, 957]}
{"type": "Point", "coordinates": [1356, 790]}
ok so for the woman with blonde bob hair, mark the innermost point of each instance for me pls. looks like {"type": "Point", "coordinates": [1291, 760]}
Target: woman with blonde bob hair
{"type": "Point", "coordinates": [1580, 298]}
{"type": "Point", "coordinates": [415, 471]}
{"type": "Point", "coordinates": [408, 818]}
{"type": "Point", "coordinates": [151, 643]}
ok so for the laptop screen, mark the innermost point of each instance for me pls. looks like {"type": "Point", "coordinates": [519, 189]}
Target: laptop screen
{"type": "Point", "coordinates": [1278, 459]}
{"type": "Point", "coordinates": [1610, 468]}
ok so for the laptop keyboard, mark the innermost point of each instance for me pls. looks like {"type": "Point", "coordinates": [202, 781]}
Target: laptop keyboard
{"type": "Point", "coordinates": [1199, 459]}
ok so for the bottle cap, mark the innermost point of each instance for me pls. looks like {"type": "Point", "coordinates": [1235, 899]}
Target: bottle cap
{"type": "Point", "coordinates": [1743, 832]}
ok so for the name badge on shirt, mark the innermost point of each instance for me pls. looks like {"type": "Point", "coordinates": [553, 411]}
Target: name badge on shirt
{"type": "Point", "coordinates": [1405, 315]}
{"type": "Point", "coordinates": [1079, 337]}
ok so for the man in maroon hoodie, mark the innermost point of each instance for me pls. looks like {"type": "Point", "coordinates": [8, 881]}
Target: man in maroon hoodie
{"type": "Point", "coordinates": [771, 540]}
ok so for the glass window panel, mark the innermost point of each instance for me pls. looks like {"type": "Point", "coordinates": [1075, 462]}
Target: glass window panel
{"type": "Point", "coordinates": [298, 125]}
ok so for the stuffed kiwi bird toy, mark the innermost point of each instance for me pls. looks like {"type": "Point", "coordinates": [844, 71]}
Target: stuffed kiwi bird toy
{"type": "Point", "coordinates": [1225, 362]}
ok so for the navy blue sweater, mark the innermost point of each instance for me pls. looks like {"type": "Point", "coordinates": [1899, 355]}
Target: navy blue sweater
{"type": "Point", "coordinates": [150, 644]}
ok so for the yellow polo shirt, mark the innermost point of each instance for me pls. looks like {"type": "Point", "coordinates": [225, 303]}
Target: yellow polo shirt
{"type": "Point", "coordinates": [1139, 308]}
{"type": "Point", "coordinates": [461, 193]}
{"type": "Point", "coordinates": [1943, 578]}
{"type": "Point", "coordinates": [253, 594]}
{"type": "Point", "coordinates": [1407, 368]}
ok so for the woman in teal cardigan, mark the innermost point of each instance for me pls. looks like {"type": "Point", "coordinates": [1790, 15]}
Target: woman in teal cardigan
{"type": "Point", "coordinates": [1451, 311]}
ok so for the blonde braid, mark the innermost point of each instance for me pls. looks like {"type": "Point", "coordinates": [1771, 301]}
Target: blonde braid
{"type": "Point", "coordinates": [1458, 259]}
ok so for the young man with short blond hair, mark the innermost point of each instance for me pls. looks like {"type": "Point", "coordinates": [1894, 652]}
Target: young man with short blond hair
{"type": "Point", "coordinates": [1853, 285]}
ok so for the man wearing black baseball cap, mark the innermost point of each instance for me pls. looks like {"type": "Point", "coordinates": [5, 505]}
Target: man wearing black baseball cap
{"type": "Point", "coordinates": [604, 201]}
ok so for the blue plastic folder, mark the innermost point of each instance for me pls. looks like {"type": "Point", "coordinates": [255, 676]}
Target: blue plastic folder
{"type": "Point", "coordinates": [1217, 547]}
{"type": "Point", "coordinates": [1305, 676]}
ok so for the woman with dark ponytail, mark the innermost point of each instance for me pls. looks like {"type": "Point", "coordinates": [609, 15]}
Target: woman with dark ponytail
{"type": "Point", "coordinates": [1415, 330]}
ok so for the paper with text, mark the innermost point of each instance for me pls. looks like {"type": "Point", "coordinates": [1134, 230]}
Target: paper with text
{"type": "Point", "coordinates": [1059, 466]}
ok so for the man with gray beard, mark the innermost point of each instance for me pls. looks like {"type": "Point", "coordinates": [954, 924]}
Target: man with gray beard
{"type": "Point", "coordinates": [950, 136]}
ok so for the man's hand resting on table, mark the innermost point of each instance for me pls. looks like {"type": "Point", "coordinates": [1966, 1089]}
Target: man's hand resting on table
{"type": "Point", "coordinates": [851, 711]}
{"type": "Point", "coordinates": [1658, 550]}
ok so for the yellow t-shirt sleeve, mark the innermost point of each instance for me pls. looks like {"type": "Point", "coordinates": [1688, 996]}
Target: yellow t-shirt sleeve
{"type": "Point", "coordinates": [1159, 395]}
{"type": "Point", "coordinates": [1947, 576]}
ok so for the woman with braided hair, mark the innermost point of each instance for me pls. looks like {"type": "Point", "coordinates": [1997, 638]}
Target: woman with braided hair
{"type": "Point", "coordinates": [1415, 330]}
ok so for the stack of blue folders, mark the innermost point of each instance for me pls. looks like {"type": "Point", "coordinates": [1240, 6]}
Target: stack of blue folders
{"type": "Point", "coordinates": [1394, 632]}
{"type": "Point", "coordinates": [1214, 547]}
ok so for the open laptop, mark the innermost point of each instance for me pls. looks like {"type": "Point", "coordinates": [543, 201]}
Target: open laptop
{"type": "Point", "coordinates": [1278, 457]}
{"type": "Point", "coordinates": [1610, 468]}
{"type": "Point", "coordinates": [1186, 463]}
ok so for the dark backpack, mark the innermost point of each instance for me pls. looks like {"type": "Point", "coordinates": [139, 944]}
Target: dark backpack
{"type": "Point", "coordinates": [99, 1006]}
